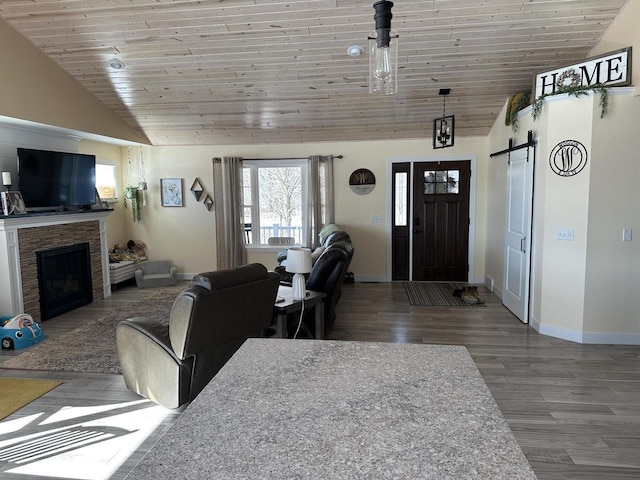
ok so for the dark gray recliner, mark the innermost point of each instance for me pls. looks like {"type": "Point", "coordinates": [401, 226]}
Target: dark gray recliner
{"type": "Point", "coordinates": [327, 276]}
{"type": "Point", "coordinates": [169, 361]}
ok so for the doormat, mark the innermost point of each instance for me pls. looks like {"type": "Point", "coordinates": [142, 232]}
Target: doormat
{"type": "Point", "coordinates": [442, 294]}
{"type": "Point", "coordinates": [18, 392]}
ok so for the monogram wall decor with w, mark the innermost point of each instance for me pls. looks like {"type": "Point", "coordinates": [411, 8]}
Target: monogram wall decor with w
{"type": "Point", "coordinates": [568, 158]}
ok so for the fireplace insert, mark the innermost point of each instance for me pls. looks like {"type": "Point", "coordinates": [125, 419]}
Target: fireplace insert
{"type": "Point", "coordinates": [64, 279]}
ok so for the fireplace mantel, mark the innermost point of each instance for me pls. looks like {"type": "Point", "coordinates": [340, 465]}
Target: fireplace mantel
{"type": "Point", "coordinates": [11, 283]}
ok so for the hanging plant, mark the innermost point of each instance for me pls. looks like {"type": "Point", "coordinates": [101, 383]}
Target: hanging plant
{"type": "Point", "coordinates": [132, 193]}
{"type": "Point", "coordinates": [514, 105]}
{"type": "Point", "coordinates": [576, 91]}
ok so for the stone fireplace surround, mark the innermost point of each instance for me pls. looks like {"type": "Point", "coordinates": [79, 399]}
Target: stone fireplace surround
{"type": "Point", "coordinates": [22, 235]}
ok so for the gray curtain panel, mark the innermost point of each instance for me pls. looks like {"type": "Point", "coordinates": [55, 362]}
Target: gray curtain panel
{"type": "Point", "coordinates": [320, 208]}
{"type": "Point", "coordinates": [227, 196]}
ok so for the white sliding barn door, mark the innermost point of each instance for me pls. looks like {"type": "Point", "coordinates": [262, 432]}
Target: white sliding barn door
{"type": "Point", "coordinates": [517, 259]}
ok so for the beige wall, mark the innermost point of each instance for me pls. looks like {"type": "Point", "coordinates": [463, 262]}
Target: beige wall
{"type": "Point", "coordinates": [566, 204]}
{"type": "Point", "coordinates": [117, 226]}
{"type": "Point", "coordinates": [623, 33]}
{"type": "Point", "coordinates": [613, 269]}
{"type": "Point", "coordinates": [498, 140]}
{"type": "Point", "coordinates": [187, 234]}
{"type": "Point", "coordinates": [42, 92]}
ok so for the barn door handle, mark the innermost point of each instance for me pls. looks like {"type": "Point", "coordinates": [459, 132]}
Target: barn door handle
{"type": "Point", "coordinates": [523, 242]}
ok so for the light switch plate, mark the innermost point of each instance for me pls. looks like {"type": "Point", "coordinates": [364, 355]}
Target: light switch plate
{"type": "Point", "coordinates": [376, 219]}
{"type": "Point", "coordinates": [564, 234]}
{"type": "Point", "coordinates": [627, 234]}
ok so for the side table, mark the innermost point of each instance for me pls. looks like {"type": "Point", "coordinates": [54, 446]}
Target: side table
{"type": "Point", "coordinates": [289, 305]}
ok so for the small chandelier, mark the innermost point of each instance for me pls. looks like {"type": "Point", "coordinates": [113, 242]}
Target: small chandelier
{"type": "Point", "coordinates": [383, 52]}
{"type": "Point", "coordinates": [444, 127]}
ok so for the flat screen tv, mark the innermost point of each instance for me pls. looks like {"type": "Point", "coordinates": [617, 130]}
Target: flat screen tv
{"type": "Point", "coordinates": [50, 179]}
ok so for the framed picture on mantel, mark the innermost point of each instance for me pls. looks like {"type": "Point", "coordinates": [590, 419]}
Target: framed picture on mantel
{"type": "Point", "coordinates": [17, 202]}
{"type": "Point", "coordinates": [12, 202]}
{"type": "Point", "coordinates": [5, 203]}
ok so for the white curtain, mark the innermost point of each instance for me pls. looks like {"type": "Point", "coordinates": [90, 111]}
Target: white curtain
{"type": "Point", "coordinates": [320, 208]}
{"type": "Point", "coordinates": [227, 196]}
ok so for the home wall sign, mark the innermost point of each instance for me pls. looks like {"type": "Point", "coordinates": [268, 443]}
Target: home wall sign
{"type": "Point", "coordinates": [362, 181]}
{"type": "Point", "coordinates": [568, 158]}
{"type": "Point", "coordinates": [611, 69]}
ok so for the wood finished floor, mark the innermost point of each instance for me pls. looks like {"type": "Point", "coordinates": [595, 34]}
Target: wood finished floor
{"type": "Point", "coordinates": [574, 409]}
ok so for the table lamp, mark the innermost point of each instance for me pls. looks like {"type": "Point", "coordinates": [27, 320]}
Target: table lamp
{"type": "Point", "coordinates": [6, 180]}
{"type": "Point", "coordinates": [299, 263]}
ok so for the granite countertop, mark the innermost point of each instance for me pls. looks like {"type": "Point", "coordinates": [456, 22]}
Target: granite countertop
{"type": "Point", "coordinates": [340, 410]}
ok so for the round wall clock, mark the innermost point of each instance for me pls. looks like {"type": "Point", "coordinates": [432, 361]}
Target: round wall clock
{"type": "Point", "coordinates": [362, 181]}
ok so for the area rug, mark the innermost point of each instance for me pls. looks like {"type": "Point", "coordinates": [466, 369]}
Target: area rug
{"type": "Point", "coordinates": [439, 294]}
{"type": "Point", "coordinates": [91, 348]}
{"type": "Point", "coordinates": [18, 392]}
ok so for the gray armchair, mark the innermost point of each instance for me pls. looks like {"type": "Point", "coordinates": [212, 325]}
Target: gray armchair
{"type": "Point", "coordinates": [169, 361]}
{"type": "Point", "coordinates": [156, 273]}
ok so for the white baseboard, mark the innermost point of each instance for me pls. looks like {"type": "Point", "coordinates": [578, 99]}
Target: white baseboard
{"type": "Point", "coordinates": [581, 337]}
{"type": "Point", "coordinates": [612, 338]}
{"type": "Point", "coordinates": [491, 285]}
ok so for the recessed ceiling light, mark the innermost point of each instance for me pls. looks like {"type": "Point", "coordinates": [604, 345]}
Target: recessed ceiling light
{"type": "Point", "coordinates": [355, 50]}
{"type": "Point", "coordinates": [116, 64]}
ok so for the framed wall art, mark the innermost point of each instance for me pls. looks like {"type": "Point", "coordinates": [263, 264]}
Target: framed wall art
{"type": "Point", "coordinates": [171, 192]}
{"type": "Point", "coordinates": [17, 202]}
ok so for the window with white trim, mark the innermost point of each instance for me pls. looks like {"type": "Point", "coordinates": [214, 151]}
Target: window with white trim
{"type": "Point", "coordinates": [106, 180]}
{"type": "Point", "coordinates": [274, 197]}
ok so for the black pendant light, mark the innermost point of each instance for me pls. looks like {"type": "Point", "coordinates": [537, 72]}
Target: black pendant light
{"type": "Point", "coordinates": [383, 52]}
{"type": "Point", "coordinates": [444, 127]}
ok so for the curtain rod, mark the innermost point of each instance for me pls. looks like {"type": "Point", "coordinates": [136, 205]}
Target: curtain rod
{"type": "Point", "coordinates": [292, 158]}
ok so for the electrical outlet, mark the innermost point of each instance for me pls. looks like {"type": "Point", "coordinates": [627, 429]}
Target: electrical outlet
{"type": "Point", "coordinates": [376, 219]}
{"type": "Point", "coordinates": [564, 234]}
{"type": "Point", "coordinates": [627, 234]}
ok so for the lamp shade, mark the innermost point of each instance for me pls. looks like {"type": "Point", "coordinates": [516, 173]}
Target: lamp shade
{"type": "Point", "coordinates": [298, 260]}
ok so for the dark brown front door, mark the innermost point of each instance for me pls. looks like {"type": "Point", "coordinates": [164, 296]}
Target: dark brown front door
{"type": "Point", "coordinates": [441, 221]}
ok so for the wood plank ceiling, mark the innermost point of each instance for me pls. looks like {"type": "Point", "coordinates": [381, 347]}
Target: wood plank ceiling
{"type": "Point", "coordinates": [274, 71]}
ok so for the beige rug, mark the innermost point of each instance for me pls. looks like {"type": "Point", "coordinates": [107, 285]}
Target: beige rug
{"type": "Point", "coordinates": [15, 393]}
{"type": "Point", "coordinates": [91, 348]}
